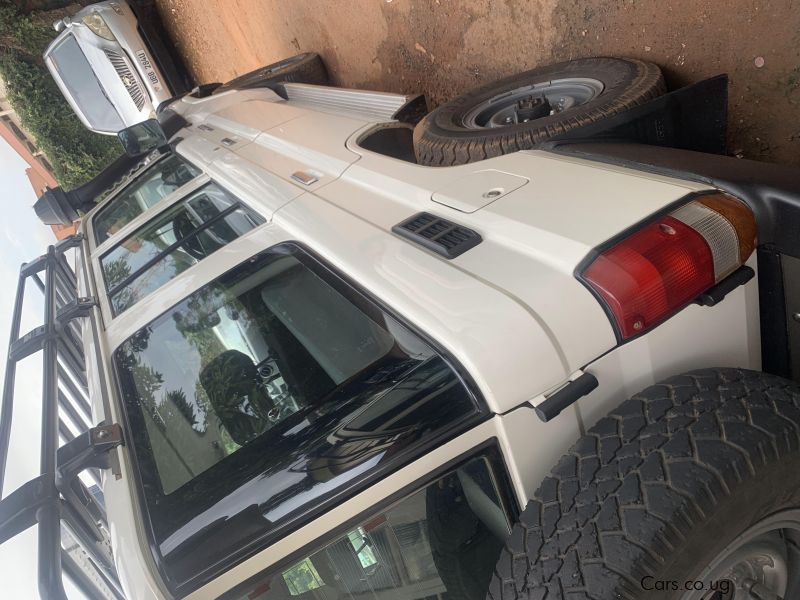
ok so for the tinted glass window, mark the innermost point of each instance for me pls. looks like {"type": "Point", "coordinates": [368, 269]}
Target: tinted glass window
{"type": "Point", "coordinates": [160, 180]}
{"type": "Point", "coordinates": [441, 542]}
{"type": "Point", "coordinates": [173, 241]}
{"type": "Point", "coordinates": [78, 77]}
{"type": "Point", "coordinates": [265, 394]}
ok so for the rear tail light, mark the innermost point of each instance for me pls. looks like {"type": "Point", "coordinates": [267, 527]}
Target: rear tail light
{"type": "Point", "coordinates": [665, 265]}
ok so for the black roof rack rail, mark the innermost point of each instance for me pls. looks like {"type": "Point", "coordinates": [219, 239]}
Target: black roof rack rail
{"type": "Point", "coordinates": [71, 519]}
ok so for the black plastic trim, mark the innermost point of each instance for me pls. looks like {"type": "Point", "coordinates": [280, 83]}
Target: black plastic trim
{"type": "Point", "coordinates": [693, 117]}
{"type": "Point", "coordinates": [565, 397]}
{"type": "Point", "coordinates": [413, 111]}
{"type": "Point", "coordinates": [716, 294]}
{"type": "Point", "coordinates": [390, 139]}
{"type": "Point", "coordinates": [171, 122]}
{"type": "Point", "coordinates": [775, 354]}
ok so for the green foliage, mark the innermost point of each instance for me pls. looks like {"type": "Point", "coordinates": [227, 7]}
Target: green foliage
{"type": "Point", "coordinates": [27, 32]}
{"type": "Point", "coordinates": [302, 578]}
{"type": "Point", "coordinates": [76, 154]}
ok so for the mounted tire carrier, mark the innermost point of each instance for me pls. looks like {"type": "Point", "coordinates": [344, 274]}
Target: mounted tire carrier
{"type": "Point", "coordinates": [317, 343]}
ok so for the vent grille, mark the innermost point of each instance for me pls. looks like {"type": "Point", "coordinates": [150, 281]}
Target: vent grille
{"type": "Point", "coordinates": [438, 235]}
{"type": "Point", "coordinates": [127, 77]}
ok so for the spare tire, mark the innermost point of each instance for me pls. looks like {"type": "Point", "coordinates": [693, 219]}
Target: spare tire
{"type": "Point", "coordinates": [300, 68]}
{"type": "Point", "coordinates": [521, 111]}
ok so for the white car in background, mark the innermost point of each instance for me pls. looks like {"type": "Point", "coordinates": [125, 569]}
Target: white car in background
{"type": "Point", "coordinates": [113, 66]}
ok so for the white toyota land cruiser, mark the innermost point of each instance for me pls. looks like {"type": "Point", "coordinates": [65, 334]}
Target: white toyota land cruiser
{"type": "Point", "coordinates": [324, 347]}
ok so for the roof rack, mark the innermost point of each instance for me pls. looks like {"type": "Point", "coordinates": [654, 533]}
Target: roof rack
{"type": "Point", "coordinates": [72, 527]}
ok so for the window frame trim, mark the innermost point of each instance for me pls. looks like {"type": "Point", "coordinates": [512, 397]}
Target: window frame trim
{"type": "Point", "coordinates": [305, 517]}
{"type": "Point", "coordinates": [490, 449]}
{"type": "Point", "coordinates": [99, 251]}
{"type": "Point", "coordinates": [133, 178]}
{"type": "Point", "coordinates": [152, 213]}
{"type": "Point", "coordinates": [236, 204]}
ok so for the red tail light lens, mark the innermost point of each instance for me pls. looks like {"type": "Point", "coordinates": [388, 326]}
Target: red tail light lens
{"type": "Point", "coordinates": [657, 270]}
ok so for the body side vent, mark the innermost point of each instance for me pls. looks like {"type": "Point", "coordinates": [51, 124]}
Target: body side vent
{"type": "Point", "coordinates": [438, 235]}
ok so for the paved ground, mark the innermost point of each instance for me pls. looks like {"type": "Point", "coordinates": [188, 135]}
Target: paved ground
{"type": "Point", "coordinates": [443, 47]}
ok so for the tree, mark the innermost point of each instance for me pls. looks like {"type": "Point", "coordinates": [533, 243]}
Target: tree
{"type": "Point", "coordinates": [76, 154]}
{"type": "Point", "coordinates": [181, 403]}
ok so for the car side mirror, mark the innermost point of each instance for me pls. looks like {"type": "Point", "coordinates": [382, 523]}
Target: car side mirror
{"type": "Point", "coordinates": [142, 138]}
{"type": "Point", "coordinates": [61, 24]}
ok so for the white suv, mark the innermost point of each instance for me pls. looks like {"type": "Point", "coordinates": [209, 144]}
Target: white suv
{"type": "Point", "coordinates": [107, 72]}
{"type": "Point", "coordinates": [330, 354]}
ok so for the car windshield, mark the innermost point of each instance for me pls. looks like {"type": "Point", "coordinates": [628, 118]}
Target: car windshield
{"type": "Point", "coordinates": [77, 76]}
{"type": "Point", "coordinates": [264, 393]}
{"type": "Point", "coordinates": [158, 181]}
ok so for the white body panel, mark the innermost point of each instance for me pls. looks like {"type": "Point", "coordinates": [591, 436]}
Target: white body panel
{"type": "Point", "coordinates": [510, 310]}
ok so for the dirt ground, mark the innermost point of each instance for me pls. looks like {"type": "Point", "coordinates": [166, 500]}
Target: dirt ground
{"type": "Point", "coordinates": [443, 47]}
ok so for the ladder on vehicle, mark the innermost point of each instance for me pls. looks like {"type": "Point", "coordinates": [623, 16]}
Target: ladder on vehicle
{"type": "Point", "coordinates": [72, 527]}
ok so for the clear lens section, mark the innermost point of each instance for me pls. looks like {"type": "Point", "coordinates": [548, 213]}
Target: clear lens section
{"type": "Point", "coordinates": [739, 215]}
{"type": "Point", "coordinates": [98, 26]}
{"type": "Point", "coordinates": [720, 235]}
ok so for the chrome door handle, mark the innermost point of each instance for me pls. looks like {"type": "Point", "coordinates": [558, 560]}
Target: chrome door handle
{"type": "Point", "coordinates": [304, 177]}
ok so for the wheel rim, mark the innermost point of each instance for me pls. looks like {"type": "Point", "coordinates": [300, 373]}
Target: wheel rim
{"type": "Point", "coordinates": [755, 565]}
{"type": "Point", "coordinates": [531, 102]}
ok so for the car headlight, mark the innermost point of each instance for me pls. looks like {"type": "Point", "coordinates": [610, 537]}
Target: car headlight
{"type": "Point", "coordinates": [98, 25]}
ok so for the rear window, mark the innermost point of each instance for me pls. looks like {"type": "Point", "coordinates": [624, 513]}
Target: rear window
{"type": "Point", "coordinates": [77, 76]}
{"type": "Point", "coordinates": [173, 241]}
{"type": "Point", "coordinates": [157, 182]}
{"type": "Point", "coordinates": [266, 393]}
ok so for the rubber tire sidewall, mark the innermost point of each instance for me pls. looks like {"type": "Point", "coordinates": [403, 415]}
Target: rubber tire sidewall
{"type": "Point", "coordinates": [441, 138]}
{"type": "Point", "coordinates": [745, 508]}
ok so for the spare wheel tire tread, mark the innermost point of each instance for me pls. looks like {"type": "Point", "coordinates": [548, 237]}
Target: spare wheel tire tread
{"type": "Point", "coordinates": [436, 145]}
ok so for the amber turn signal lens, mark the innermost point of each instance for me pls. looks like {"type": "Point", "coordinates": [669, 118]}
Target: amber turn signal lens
{"type": "Point", "coordinates": [738, 214]}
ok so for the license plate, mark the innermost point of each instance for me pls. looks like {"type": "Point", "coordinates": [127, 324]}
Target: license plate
{"type": "Point", "coordinates": [148, 70]}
